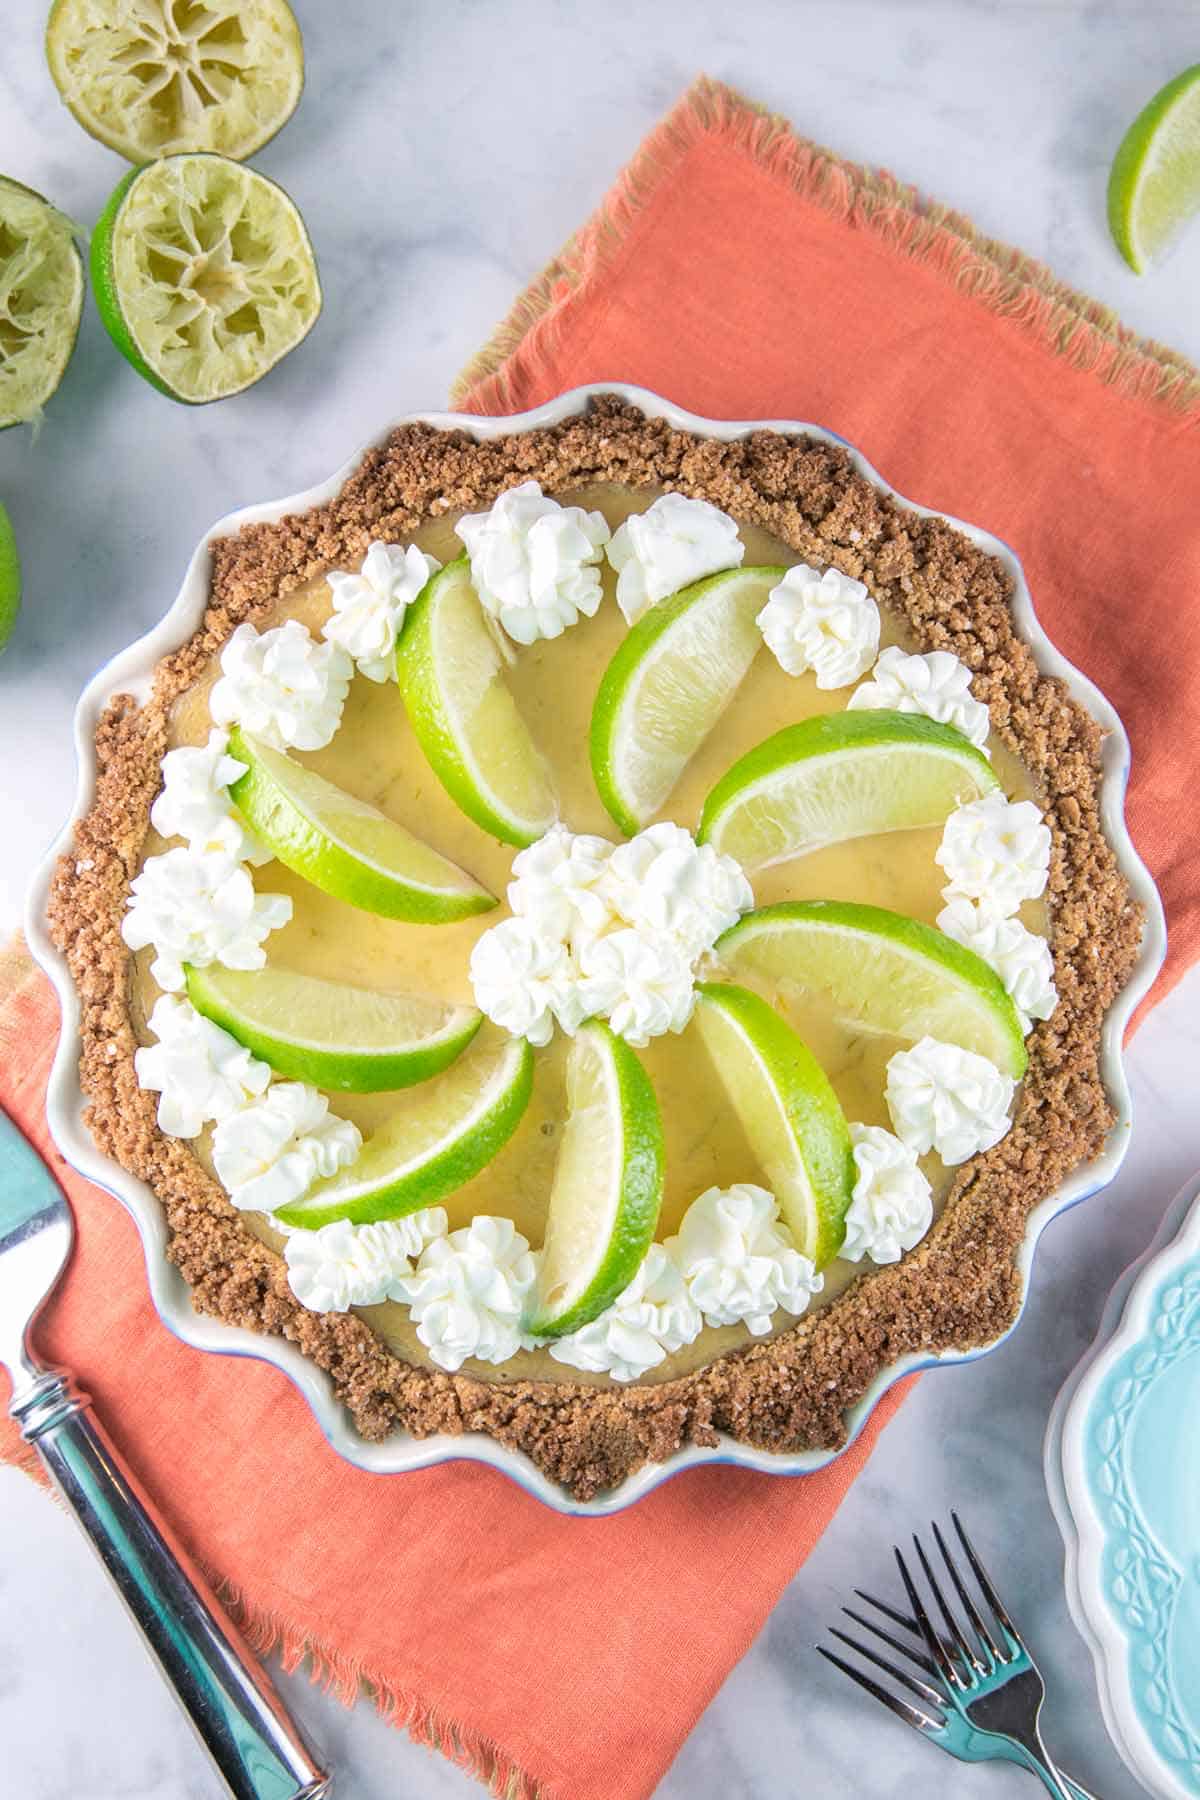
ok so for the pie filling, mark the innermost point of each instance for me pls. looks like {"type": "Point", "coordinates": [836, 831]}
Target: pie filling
{"type": "Point", "coordinates": [874, 614]}
{"type": "Point", "coordinates": [375, 756]}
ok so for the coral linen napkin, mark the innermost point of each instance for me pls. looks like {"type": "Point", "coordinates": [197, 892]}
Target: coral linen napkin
{"type": "Point", "coordinates": [745, 274]}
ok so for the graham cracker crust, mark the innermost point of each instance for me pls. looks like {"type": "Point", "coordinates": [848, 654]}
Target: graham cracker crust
{"type": "Point", "coordinates": [960, 1288]}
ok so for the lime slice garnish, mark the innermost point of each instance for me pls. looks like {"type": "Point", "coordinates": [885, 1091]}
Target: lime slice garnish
{"type": "Point", "coordinates": [344, 846]}
{"type": "Point", "coordinates": [450, 1128]}
{"type": "Point", "coordinates": [166, 75]}
{"type": "Point", "coordinates": [465, 718]}
{"type": "Point", "coordinates": [10, 579]}
{"type": "Point", "coordinates": [1154, 184]}
{"type": "Point", "coordinates": [788, 1111]}
{"type": "Point", "coordinates": [355, 1040]}
{"type": "Point", "coordinates": [882, 971]}
{"type": "Point", "coordinates": [668, 684]}
{"type": "Point", "coordinates": [41, 299]}
{"type": "Point", "coordinates": [608, 1185]}
{"type": "Point", "coordinates": [842, 775]}
{"type": "Point", "coordinates": [204, 275]}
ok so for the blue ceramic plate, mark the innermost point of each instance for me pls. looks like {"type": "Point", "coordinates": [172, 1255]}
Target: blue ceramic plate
{"type": "Point", "coordinates": [1123, 1469]}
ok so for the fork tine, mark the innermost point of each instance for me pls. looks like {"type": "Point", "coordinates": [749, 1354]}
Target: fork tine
{"type": "Point", "coordinates": [985, 1583]}
{"type": "Point", "coordinates": [908, 1624]}
{"type": "Point", "coordinates": [891, 1612]}
{"type": "Point", "coordinates": [969, 1607]}
{"type": "Point", "coordinates": [933, 1643]}
{"type": "Point", "coordinates": [971, 1658]}
{"type": "Point", "coordinates": [910, 1714]}
{"type": "Point", "coordinates": [908, 1650]}
{"type": "Point", "coordinates": [921, 1689]}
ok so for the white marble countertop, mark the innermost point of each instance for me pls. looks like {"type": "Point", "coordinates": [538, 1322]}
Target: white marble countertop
{"type": "Point", "coordinates": [442, 153]}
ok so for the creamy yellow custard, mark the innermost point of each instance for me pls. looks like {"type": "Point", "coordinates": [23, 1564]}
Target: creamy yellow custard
{"type": "Point", "coordinates": [376, 757]}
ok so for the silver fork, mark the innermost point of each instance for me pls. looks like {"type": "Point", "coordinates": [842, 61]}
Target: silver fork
{"type": "Point", "coordinates": [979, 1692]}
{"type": "Point", "coordinates": [243, 1724]}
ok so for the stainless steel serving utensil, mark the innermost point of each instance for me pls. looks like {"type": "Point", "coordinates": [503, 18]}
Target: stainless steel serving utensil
{"type": "Point", "coordinates": [240, 1719]}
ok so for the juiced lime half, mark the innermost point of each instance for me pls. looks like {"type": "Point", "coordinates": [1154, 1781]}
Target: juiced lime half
{"type": "Point", "coordinates": [355, 1040]}
{"type": "Point", "coordinates": [41, 299]}
{"type": "Point", "coordinates": [450, 1128]}
{"type": "Point", "coordinates": [1154, 185]}
{"type": "Point", "coordinates": [344, 846]}
{"type": "Point", "coordinates": [788, 1111]}
{"type": "Point", "coordinates": [667, 686]}
{"type": "Point", "coordinates": [465, 719]}
{"type": "Point", "coordinates": [608, 1185]}
{"type": "Point", "coordinates": [842, 775]}
{"type": "Point", "coordinates": [204, 275]}
{"type": "Point", "coordinates": [881, 970]}
{"type": "Point", "coordinates": [10, 579]}
{"type": "Point", "coordinates": [160, 76]}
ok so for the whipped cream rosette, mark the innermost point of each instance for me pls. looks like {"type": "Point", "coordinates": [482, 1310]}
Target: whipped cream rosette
{"type": "Point", "coordinates": [605, 930]}
{"type": "Point", "coordinates": [199, 907]}
{"type": "Point", "coordinates": [199, 1072]}
{"type": "Point", "coordinates": [468, 1291]}
{"type": "Point", "coordinates": [652, 1318]}
{"type": "Point", "coordinates": [948, 1100]}
{"type": "Point", "coordinates": [282, 686]}
{"type": "Point", "coordinates": [892, 1208]}
{"type": "Point", "coordinates": [641, 982]}
{"type": "Point", "coordinates": [996, 850]}
{"type": "Point", "coordinates": [270, 1151]}
{"type": "Point", "coordinates": [739, 1261]}
{"type": "Point", "coordinates": [821, 621]}
{"type": "Point", "coordinates": [195, 803]}
{"type": "Point", "coordinates": [666, 884]}
{"type": "Point", "coordinates": [369, 606]}
{"type": "Point", "coordinates": [535, 563]}
{"type": "Point", "coordinates": [561, 884]}
{"type": "Point", "coordinates": [1021, 958]}
{"type": "Point", "coordinates": [934, 683]}
{"type": "Point", "coordinates": [525, 980]}
{"type": "Point", "coordinates": [675, 542]}
{"type": "Point", "coordinates": [343, 1265]}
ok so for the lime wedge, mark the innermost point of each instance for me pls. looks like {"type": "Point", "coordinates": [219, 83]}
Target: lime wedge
{"type": "Point", "coordinates": [842, 775]}
{"type": "Point", "coordinates": [667, 686]}
{"type": "Point", "coordinates": [10, 579]}
{"type": "Point", "coordinates": [351, 1039]}
{"type": "Point", "coordinates": [1154, 184]}
{"type": "Point", "coordinates": [450, 1128]}
{"type": "Point", "coordinates": [882, 970]}
{"type": "Point", "coordinates": [465, 719]}
{"type": "Point", "coordinates": [345, 847]}
{"type": "Point", "coordinates": [788, 1111]}
{"type": "Point", "coordinates": [162, 76]}
{"type": "Point", "coordinates": [41, 299]}
{"type": "Point", "coordinates": [204, 275]}
{"type": "Point", "coordinates": [607, 1189]}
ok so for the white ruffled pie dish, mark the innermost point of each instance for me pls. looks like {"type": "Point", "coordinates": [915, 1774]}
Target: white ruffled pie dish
{"type": "Point", "coordinates": [132, 671]}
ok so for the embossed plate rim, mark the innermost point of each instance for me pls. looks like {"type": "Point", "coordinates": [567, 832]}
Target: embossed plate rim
{"type": "Point", "coordinates": [1071, 1483]}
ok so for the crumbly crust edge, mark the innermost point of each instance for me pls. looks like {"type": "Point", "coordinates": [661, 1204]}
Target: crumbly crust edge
{"type": "Point", "coordinates": [960, 1289]}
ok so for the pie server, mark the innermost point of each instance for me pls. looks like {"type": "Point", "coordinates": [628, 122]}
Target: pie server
{"type": "Point", "coordinates": [241, 1721]}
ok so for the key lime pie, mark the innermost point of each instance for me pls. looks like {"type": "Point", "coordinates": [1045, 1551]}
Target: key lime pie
{"type": "Point", "coordinates": [601, 939]}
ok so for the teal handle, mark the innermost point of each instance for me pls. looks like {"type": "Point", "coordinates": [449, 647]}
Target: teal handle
{"type": "Point", "coordinates": [240, 1719]}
